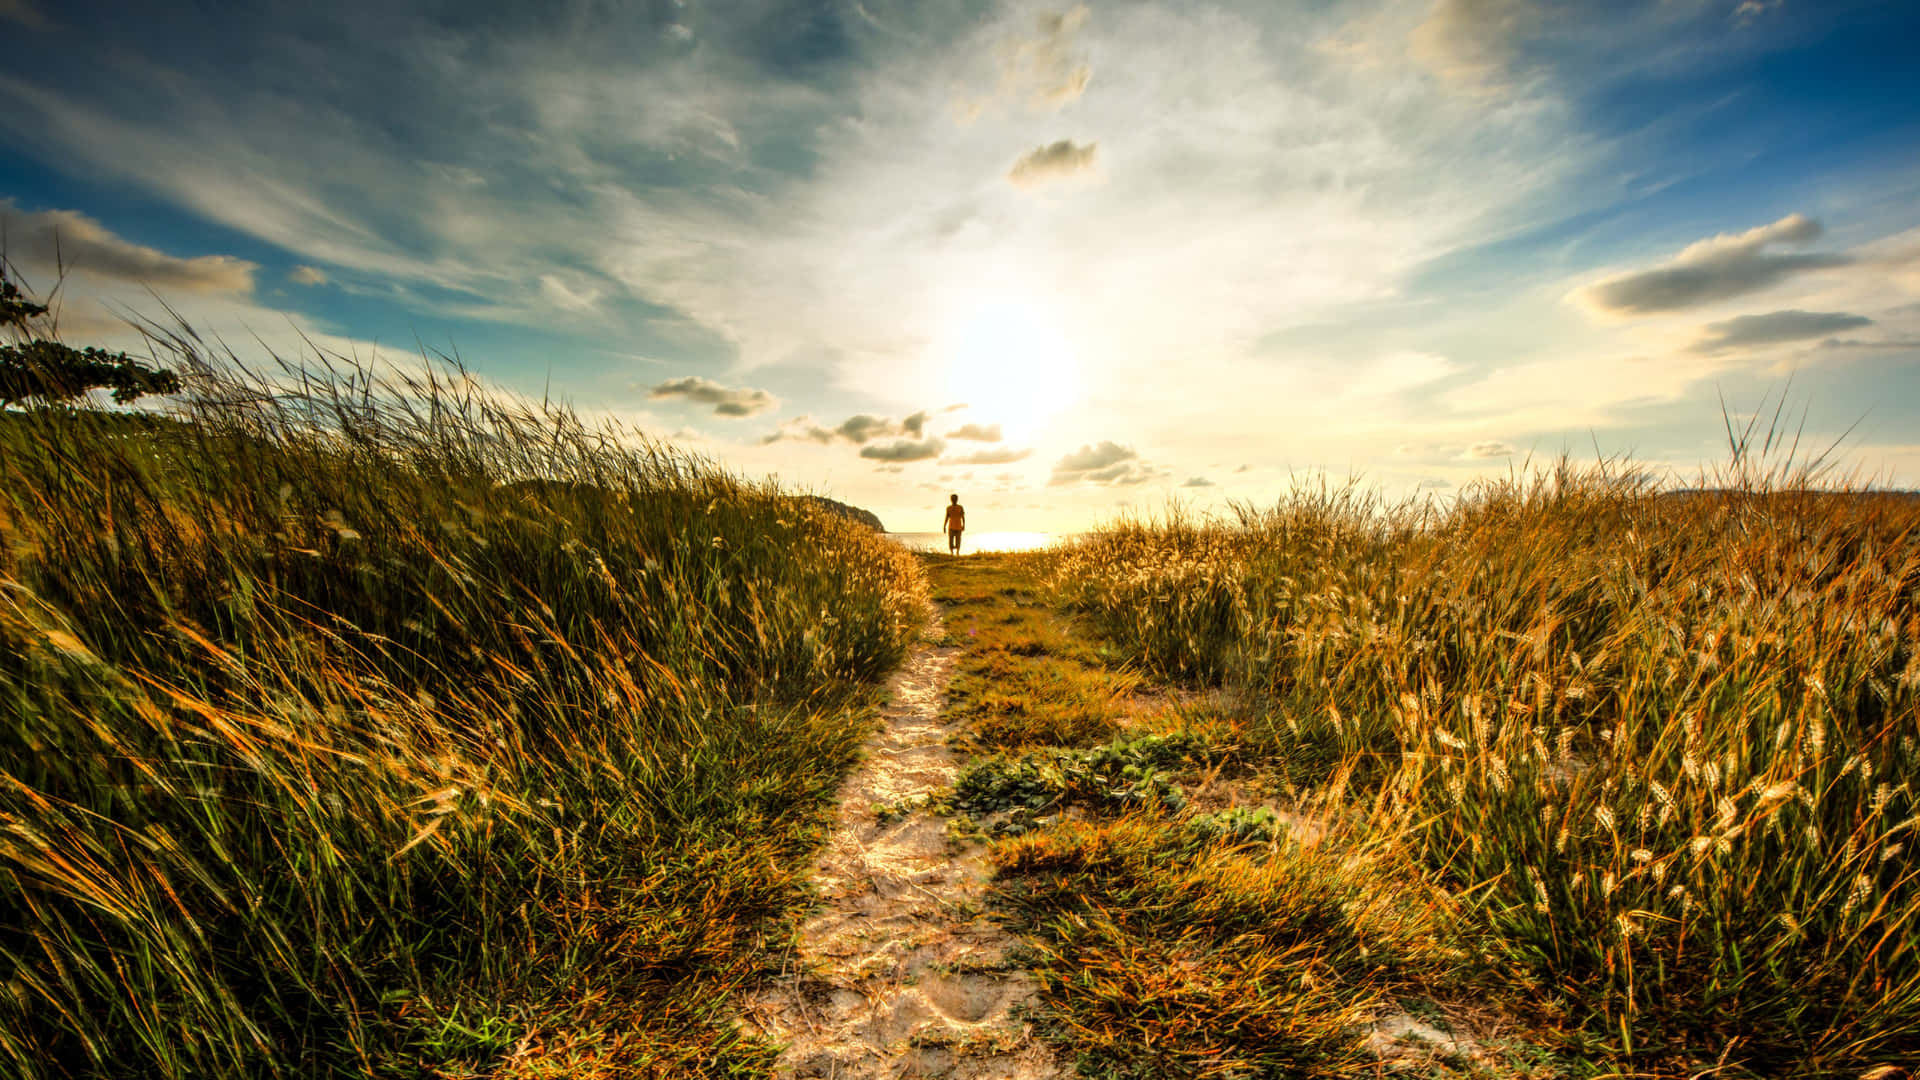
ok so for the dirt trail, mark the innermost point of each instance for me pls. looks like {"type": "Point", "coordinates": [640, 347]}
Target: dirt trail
{"type": "Point", "coordinates": [901, 973]}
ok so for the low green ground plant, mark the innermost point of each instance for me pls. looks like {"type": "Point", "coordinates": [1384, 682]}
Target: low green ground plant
{"type": "Point", "coordinates": [1022, 679]}
{"type": "Point", "coordinates": [1660, 745]}
{"type": "Point", "coordinates": [385, 726]}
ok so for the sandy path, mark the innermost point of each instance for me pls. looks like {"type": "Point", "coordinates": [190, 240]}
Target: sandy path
{"type": "Point", "coordinates": [900, 973]}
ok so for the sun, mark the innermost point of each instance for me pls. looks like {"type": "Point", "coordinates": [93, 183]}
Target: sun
{"type": "Point", "coordinates": [1011, 363]}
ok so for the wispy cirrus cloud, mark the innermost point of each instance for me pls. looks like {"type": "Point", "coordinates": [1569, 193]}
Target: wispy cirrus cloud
{"type": "Point", "coordinates": [1472, 43]}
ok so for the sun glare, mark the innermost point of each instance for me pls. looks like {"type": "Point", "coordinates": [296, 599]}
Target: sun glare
{"type": "Point", "coordinates": [1010, 362]}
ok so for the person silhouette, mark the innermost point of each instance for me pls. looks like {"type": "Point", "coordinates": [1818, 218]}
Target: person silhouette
{"type": "Point", "coordinates": [956, 524]}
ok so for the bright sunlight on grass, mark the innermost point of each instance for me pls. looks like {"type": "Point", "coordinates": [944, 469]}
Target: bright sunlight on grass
{"type": "Point", "coordinates": [352, 728]}
{"type": "Point", "coordinates": [1659, 748]}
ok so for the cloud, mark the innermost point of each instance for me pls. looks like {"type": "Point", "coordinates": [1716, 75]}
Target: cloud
{"type": "Point", "coordinates": [1042, 70]}
{"type": "Point", "coordinates": [726, 401]}
{"type": "Point", "coordinates": [1481, 451]}
{"type": "Point", "coordinates": [1197, 482]}
{"type": "Point", "coordinates": [1054, 76]}
{"type": "Point", "coordinates": [307, 275]}
{"type": "Point", "coordinates": [568, 297]}
{"type": "Point", "coordinates": [1005, 455]}
{"type": "Point", "coordinates": [1773, 328]}
{"type": "Point", "coordinates": [1472, 43]}
{"type": "Point", "coordinates": [1718, 268]}
{"type": "Point", "coordinates": [24, 13]}
{"type": "Point", "coordinates": [863, 427]}
{"type": "Point", "coordinates": [905, 450]}
{"type": "Point", "coordinates": [1095, 457]}
{"type": "Point", "coordinates": [860, 429]}
{"type": "Point", "coordinates": [1106, 462]}
{"type": "Point", "coordinates": [83, 245]}
{"type": "Point", "coordinates": [1054, 161]}
{"type": "Point", "coordinates": [799, 429]}
{"type": "Point", "coordinates": [976, 432]}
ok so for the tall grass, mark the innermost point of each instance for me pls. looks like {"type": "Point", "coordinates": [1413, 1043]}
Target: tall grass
{"type": "Point", "coordinates": [1664, 744]}
{"type": "Point", "coordinates": [354, 725]}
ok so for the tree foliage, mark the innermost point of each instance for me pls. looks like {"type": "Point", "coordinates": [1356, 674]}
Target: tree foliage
{"type": "Point", "coordinates": [37, 368]}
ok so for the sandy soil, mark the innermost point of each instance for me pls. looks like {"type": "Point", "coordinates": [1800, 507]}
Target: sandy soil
{"type": "Point", "coordinates": [900, 973]}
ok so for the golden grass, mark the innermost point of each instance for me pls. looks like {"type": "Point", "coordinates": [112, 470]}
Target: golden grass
{"type": "Point", "coordinates": [362, 728]}
{"type": "Point", "coordinates": [1661, 747]}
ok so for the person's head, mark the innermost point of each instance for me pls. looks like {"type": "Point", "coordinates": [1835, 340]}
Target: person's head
{"type": "Point", "coordinates": [956, 500]}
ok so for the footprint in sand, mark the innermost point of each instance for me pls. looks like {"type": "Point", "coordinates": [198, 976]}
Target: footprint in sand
{"type": "Point", "coordinates": [900, 974]}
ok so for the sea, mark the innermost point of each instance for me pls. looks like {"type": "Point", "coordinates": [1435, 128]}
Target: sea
{"type": "Point", "coordinates": [980, 542]}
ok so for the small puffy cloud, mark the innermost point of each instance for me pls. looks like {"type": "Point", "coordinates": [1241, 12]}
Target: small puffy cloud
{"type": "Point", "coordinates": [1433, 483]}
{"type": "Point", "coordinates": [1481, 451]}
{"type": "Point", "coordinates": [81, 244]}
{"type": "Point", "coordinates": [1055, 161]}
{"type": "Point", "coordinates": [726, 401]}
{"type": "Point", "coordinates": [862, 427]}
{"type": "Point", "coordinates": [799, 429]}
{"type": "Point", "coordinates": [902, 450]}
{"type": "Point", "coordinates": [1718, 268]}
{"type": "Point", "coordinates": [1774, 328]}
{"type": "Point", "coordinates": [307, 275]}
{"type": "Point", "coordinates": [1088, 458]}
{"type": "Point", "coordinates": [1103, 463]}
{"type": "Point", "coordinates": [1004, 455]}
{"type": "Point", "coordinates": [1197, 482]}
{"type": "Point", "coordinates": [976, 432]}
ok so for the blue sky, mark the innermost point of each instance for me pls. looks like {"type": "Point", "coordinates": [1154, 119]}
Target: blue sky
{"type": "Point", "coordinates": [1065, 260]}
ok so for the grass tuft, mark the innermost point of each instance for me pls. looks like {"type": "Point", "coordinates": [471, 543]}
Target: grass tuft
{"type": "Point", "coordinates": [352, 726]}
{"type": "Point", "coordinates": [1660, 747]}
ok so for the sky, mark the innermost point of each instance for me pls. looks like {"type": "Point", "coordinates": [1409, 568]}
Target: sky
{"type": "Point", "coordinates": [1068, 261]}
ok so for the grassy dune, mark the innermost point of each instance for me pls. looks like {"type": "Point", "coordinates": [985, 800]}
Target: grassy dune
{"type": "Point", "coordinates": [367, 729]}
{"type": "Point", "coordinates": [1651, 757]}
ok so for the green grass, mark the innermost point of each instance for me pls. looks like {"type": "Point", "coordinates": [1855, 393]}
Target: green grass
{"type": "Point", "coordinates": [1023, 678]}
{"type": "Point", "coordinates": [1169, 950]}
{"type": "Point", "coordinates": [1168, 940]}
{"type": "Point", "coordinates": [351, 728]}
{"type": "Point", "coordinates": [1658, 749]}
